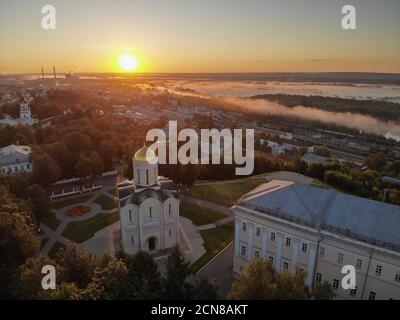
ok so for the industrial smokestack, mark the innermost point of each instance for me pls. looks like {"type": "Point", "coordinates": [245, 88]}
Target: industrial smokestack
{"type": "Point", "coordinates": [54, 72]}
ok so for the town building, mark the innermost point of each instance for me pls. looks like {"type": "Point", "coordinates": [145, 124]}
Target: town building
{"type": "Point", "coordinates": [25, 117]}
{"type": "Point", "coordinates": [15, 158]}
{"type": "Point", "coordinates": [300, 227]}
{"type": "Point", "coordinates": [149, 208]}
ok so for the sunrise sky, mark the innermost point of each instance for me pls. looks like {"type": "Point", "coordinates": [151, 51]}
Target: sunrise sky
{"type": "Point", "coordinates": [200, 36]}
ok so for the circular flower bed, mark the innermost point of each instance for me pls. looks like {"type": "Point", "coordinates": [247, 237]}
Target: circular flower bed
{"type": "Point", "coordinates": [78, 211]}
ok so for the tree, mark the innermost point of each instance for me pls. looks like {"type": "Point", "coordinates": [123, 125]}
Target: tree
{"type": "Point", "coordinates": [41, 202]}
{"type": "Point", "coordinates": [18, 242]}
{"type": "Point", "coordinates": [108, 152]}
{"type": "Point", "coordinates": [188, 174]}
{"type": "Point", "coordinates": [204, 289]}
{"type": "Point", "coordinates": [79, 265]}
{"type": "Point", "coordinates": [45, 170]}
{"type": "Point", "coordinates": [259, 281]}
{"type": "Point", "coordinates": [178, 270]}
{"type": "Point", "coordinates": [64, 158]}
{"type": "Point", "coordinates": [323, 291]}
{"type": "Point", "coordinates": [322, 151]}
{"type": "Point", "coordinates": [143, 274]}
{"type": "Point", "coordinates": [89, 166]}
{"type": "Point", "coordinates": [28, 279]}
{"type": "Point", "coordinates": [256, 282]}
{"type": "Point", "coordinates": [376, 161]}
{"type": "Point", "coordinates": [63, 291]}
{"type": "Point", "coordinates": [109, 283]}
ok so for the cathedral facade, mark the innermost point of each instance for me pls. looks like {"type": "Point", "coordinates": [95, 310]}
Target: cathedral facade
{"type": "Point", "coordinates": [149, 209]}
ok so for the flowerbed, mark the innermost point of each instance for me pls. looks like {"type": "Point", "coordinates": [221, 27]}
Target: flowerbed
{"type": "Point", "coordinates": [78, 211]}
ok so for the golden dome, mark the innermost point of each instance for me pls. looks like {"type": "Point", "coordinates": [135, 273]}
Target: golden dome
{"type": "Point", "coordinates": [144, 154]}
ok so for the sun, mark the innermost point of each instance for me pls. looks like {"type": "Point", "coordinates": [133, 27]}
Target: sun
{"type": "Point", "coordinates": [128, 62]}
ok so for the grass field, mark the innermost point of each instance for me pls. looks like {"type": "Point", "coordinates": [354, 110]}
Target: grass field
{"type": "Point", "coordinates": [70, 201]}
{"type": "Point", "coordinates": [105, 202]}
{"type": "Point", "coordinates": [199, 215]}
{"type": "Point", "coordinates": [226, 192]}
{"type": "Point", "coordinates": [80, 231]}
{"type": "Point", "coordinates": [214, 241]}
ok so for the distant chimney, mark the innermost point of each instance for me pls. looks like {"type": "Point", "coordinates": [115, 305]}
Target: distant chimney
{"type": "Point", "coordinates": [42, 73]}
{"type": "Point", "coordinates": [54, 72]}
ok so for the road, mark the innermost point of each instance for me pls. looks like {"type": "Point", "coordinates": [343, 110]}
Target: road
{"type": "Point", "coordinates": [220, 269]}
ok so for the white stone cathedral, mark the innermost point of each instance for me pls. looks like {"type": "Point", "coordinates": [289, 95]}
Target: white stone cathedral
{"type": "Point", "coordinates": [149, 210]}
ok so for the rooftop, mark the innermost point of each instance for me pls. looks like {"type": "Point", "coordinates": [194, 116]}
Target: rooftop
{"type": "Point", "coordinates": [14, 154]}
{"type": "Point", "coordinates": [362, 219]}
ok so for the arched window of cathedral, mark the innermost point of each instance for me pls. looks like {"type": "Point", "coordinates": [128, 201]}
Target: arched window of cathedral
{"type": "Point", "coordinates": [169, 232]}
{"type": "Point", "coordinates": [130, 215]}
{"type": "Point", "coordinates": [150, 214]}
{"type": "Point", "coordinates": [132, 241]}
{"type": "Point", "coordinates": [169, 209]}
{"type": "Point", "coordinates": [147, 176]}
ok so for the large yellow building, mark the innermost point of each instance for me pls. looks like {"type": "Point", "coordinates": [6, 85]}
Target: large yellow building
{"type": "Point", "coordinates": [319, 231]}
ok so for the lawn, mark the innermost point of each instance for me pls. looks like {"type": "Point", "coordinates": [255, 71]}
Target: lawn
{"type": "Point", "coordinates": [70, 201]}
{"type": "Point", "coordinates": [199, 215]}
{"type": "Point", "coordinates": [53, 251]}
{"type": "Point", "coordinates": [214, 241]}
{"type": "Point", "coordinates": [227, 192]}
{"type": "Point", "coordinates": [80, 231]}
{"type": "Point", "coordinates": [50, 220]}
{"type": "Point", "coordinates": [105, 202]}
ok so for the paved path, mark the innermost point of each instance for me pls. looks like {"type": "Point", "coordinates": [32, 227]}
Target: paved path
{"type": "Point", "coordinates": [56, 235]}
{"type": "Point", "coordinates": [206, 204]}
{"type": "Point", "coordinates": [219, 269]}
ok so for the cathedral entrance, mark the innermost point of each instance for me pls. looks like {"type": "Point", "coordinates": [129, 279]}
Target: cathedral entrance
{"type": "Point", "coordinates": [152, 243]}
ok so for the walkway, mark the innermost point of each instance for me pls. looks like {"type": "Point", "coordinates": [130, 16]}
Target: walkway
{"type": "Point", "coordinates": [219, 269]}
{"type": "Point", "coordinates": [54, 236]}
{"type": "Point", "coordinates": [206, 204]}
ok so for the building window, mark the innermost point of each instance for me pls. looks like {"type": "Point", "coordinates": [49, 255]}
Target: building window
{"type": "Point", "coordinates": [132, 241]}
{"type": "Point", "coordinates": [273, 236]}
{"type": "Point", "coordinates": [340, 258]}
{"type": "Point", "coordinates": [258, 232]}
{"type": "Point", "coordinates": [321, 251]}
{"type": "Point", "coordinates": [372, 295]}
{"type": "Point", "coordinates": [271, 260]}
{"type": "Point", "coordinates": [288, 242]}
{"type": "Point", "coordinates": [256, 253]}
{"type": "Point", "coordinates": [130, 215]}
{"type": "Point", "coordinates": [243, 251]}
{"type": "Point", "coordinates": [318, 278]}
{"type": "Point", "coordinates": [378, 270]}
{"type": "Point", "coordinates": [335, 284]}
{"type": "Point", "coordinates": [244, 226]}
{"type": "Point", "coordinates": [285, 265]}
{"type": "Point", "coordinates": [353, 292]}
{"type": "Point", "coordinates": [28, 166]}
{"type": "Point", "coordinates": [169, 209]}
{"type": "Point", "coordinates": [359, 264]}
{"type": "Point", "coordinates": [397, 277]}
{"type": "Point", "coordinates": [169, 232]}
{"type": "Point", "coordinates": [304, 247]}
{"type": "Point", "coordinates": [150, 213]}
